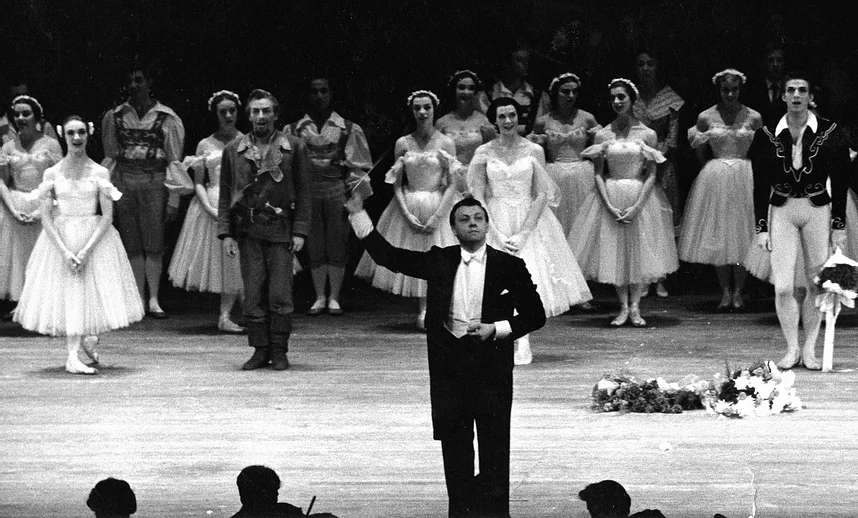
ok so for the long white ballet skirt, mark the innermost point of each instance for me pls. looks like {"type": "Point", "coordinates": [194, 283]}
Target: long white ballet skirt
{"type": "Point", "coordinates": [427, 174]}
{"type": "Point", "coordinates": [17, 239]}
{"type": "Point", "coordinates": [610, 252]}
{"type": "Point", "coordinates": [718, 226]}
{"type": "Point", "coordinates": [200, 261]}
{"type": "Point", "coordinates": [573, 175]}
{"type": "Point", "coordinates": [509, 191]}
{"type": "Point", "coordinates": [103, 295]}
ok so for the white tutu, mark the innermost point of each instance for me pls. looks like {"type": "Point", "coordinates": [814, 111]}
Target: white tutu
{"type": "Point", "coordinates": [575, 182]}
{"type": "Point", "coordinates": [18, 241]}
{"type": "Point", "coordinates": [718, 226]}
{"type": "Point", "coordinates": [200, 261]}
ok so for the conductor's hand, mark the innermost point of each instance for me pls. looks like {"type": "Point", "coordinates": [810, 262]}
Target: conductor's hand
{"type": "Point", "coordinates": [354, 204]}
{"type": "Point", "coordinates": [483, 332]}
{"type": "Point", "coordinates": [763, 241]}
{"type": "Point", "coordinates": [297, 244]}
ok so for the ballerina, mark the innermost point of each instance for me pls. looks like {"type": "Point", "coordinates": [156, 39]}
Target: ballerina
{"type": "Point", "coordinates": [623, 235]}
{"type": "Point", "coordinates": [423, 186]}
{"type": "Point", "coordinates": [78, 281]}
{"type": "Point", "coordinates": [508, 176]}
{"type": "Point", "coordinates": [200, 261]}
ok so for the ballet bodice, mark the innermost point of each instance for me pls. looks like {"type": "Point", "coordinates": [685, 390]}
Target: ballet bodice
{"type": "Point", "coordinates": [725, 141]}
{"type": "Point", "coordinates": [466, 134]}
{"type": "Point", "coordinates": [77, 197]}
{"type": "Point", "coordinates": [424, 170]}
{"type": "Point", "coordinates": [625, 159]}
{"type": "Point", "coordinates": [27, 167]}
{"type": "Point", "coordinates": [512, 182]}
{"type": "Point", "coordinates": [565, 142]}
{"type": "Point", "coordinates": [210, 150]}
{"type": "Point", "coordinates": [626, 156]}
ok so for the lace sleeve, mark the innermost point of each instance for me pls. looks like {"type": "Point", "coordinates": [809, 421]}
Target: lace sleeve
{"type": "Point", "coordinates": [543, 184]}
{"type": "Point", "coordinates": [105, 187]}
{"type": "Point", "coordinates": [696, 137]}
{"type": "Point", "coordinates": [394, 174]}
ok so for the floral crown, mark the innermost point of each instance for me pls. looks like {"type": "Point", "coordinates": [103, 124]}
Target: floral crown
{"type": "Point", "coordinates": [30, 99]}
{"type": "Point", "coordinates": [422, 93]}
{"type": "Point", "coordinates": [90, 128]}
{"type": "Point", "coordinates": [562, 78]}
{"type": "Point", "coordinates": [224, 93]}
{"type": "Point", "coordinates": [459, 74]}
{"type": "Point", "coordinates": [729, 72]}
{"type": "Point", "coordinates": [626, 82]}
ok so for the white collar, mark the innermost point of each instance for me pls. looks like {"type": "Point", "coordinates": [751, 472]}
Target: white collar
{"type": "Point", "coordinates": [812, 123]}
{"type": "Point", "coordinates": [479, 255]}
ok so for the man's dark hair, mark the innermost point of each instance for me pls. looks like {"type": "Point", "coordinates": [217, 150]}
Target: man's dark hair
{"type": "Point", "coordinates": [799, 74]}
{"type": "Point", "coordinates": [606, 498]}
{"type": "Point", "coordinates": [468, 201]}
{"type": "Point", "coordinates": [259, 93]}
{"type": "Point", "coordinates": [492, 112]}
{"type": "Point", "coordinates": [258, 486]}
{"type": "Point", "coordinates": [112, 497]}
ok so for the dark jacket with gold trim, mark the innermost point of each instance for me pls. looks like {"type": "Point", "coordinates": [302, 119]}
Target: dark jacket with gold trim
{"type": "Point", "coordinates": [265, 197]}
{"type": "Point", "coordinates": [825, 154]}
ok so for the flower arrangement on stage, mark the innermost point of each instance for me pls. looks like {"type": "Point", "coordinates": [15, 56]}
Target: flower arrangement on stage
{"type": "Point", "coordinates": [615, 392]}
{"type": "Point", "coordinates": [759, 390]}
{"type": "Point", "coordinates": [838, 283]}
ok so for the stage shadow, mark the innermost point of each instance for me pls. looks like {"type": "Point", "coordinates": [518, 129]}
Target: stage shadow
{"type": "Point", "coordinates": [205, 330]}
{"type": "Point", "coordinates": [15, 331]}
{"type": "Point", "coordinates": [104, 371]}
{"type": "Point", "coordinates": [549, 359]}
{"type": "Point", "coordinates": [399, 327]}
{"type": "Point", "coordinates": [710, 307]}
{"type": "Point", "coordinates": [604, 321]}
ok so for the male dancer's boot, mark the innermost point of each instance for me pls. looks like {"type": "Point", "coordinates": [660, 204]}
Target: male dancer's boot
{"type": "Point", "coordinates": [257, 337]}
{"type": "Point", "coordinates": [281, 328]}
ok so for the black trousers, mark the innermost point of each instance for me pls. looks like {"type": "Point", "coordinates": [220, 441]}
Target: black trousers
{"type": "Point", "coordinates": [266, 269]}
{"type": "Point", "coordinates": [488, 406]}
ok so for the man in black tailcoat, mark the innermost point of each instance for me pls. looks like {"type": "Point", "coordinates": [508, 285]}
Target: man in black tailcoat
{"type": "Point", "coordinates": [479, 300]}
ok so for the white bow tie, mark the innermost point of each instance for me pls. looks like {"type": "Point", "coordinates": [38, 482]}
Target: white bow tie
{"type": "Point", "coordinates": [468, 256]}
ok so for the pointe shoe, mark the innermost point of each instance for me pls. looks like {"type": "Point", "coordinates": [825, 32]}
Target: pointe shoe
{"type": "Point", "coordinates": [334, 308]}
{"type": "Point", "coordinates": [75, 366]}
{"type": "Point", "coordinates": [88, 345]}
{"type": "Point", "coordinates": [317, 308]}
{"type": "Point", "coordinates": [620, 319]}
{"type": "Point", "coordinates": [636, 318]}
{"type": "Point", "coordinates": [421, 321]}
{"type": "Point", "coordinates": [660, 290]}
{"type": "Point", "coordinates": [790, 360]}
{"type": "Point", "coordinates": [724, 305]}
{"type": "Point", "coordinates": [228, 326]}
{"type": "Point", "coordinates": [522, 354]}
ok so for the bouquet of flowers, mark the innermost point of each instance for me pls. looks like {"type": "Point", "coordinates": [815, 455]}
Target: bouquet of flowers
{"type": "Point", "coordinates": [618, 392]}
{"type": "Point", "coordinates": [837, 282]}
{"type": "Point", "coordinates": [759, 390]}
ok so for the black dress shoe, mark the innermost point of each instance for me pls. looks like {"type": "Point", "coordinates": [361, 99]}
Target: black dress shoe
{"type": "Point", "coordinates": [258, 360]}
{"type": "Point", "coordinates": [158, 315]}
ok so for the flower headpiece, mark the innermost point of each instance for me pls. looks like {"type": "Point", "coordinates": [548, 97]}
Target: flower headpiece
{"type": "Point", "coordinates": [422, 93]}
{"type": "Point", "coordinates": [729, 72]}
{"type": "Point", "coordinates": [232, 96]}
{"type": "Point", "coordinates": [459, 74]}
{"type": "Point", "coordinates": [30, 99]}
{"type": "Point", "coordinates": [90, 128]}
{"type": "Point", "coordinates": [563, 78]}
{"type": "Point", "coordinates": [626, 82]}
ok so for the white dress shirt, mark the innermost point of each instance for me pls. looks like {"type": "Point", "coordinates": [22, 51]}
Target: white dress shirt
{"type": "Point", "coordinates": [797, 146]}
{"type": "Point", "coordinates": [467, 304]}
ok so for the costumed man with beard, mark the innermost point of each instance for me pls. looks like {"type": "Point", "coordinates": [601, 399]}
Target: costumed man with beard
{"type": "Point", "coordinates": [793, 159]}
{"type": "Point", "coordinates": [264, 212]}
{"type": "Point", "coordinates": [479, 300]}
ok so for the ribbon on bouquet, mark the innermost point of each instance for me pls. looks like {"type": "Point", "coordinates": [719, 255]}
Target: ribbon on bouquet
{"type": "Point", "coordinates": [829, 301]}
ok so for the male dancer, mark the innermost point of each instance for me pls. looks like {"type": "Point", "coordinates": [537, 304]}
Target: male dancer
{"type": "Point", "coordinates": [265, 205]}
{"type": "Point", "coordinates": [792, 160]}
{"type": "Point", "coordinates": [339, 157]}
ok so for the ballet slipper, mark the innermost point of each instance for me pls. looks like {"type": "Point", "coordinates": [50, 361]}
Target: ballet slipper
{"type": "Point", "coordinates": [621, 319]}
{"type": "Point", "coordinates": [317, 308]}
{"type": "Point", "coordinates": [522, 354]}
{"type": "Point", "coordinates": [809, 360]}
{"type": "Point", "coordinates": [636, 318]}
{"type": "Point", "coordinates": [724, 305]}
{"type": "Point", "coordinates": [334, 307]}
{"type": "Point", "coordinates": [738, 302]}
{"type": "Point", "coordinates": [88, 346]}
{"type": "Point", "coordinates": [660, 290]}
{"type": "Point", "coordinates": [228, 326]}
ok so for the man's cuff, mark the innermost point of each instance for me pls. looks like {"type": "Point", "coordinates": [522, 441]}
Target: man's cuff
{"type": "Point", "coordinates": [502, 329]}
{"type": "Point", "coordinates": [361, 224]}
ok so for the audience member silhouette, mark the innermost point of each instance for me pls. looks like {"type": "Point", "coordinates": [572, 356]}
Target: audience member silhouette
{"type": "Point", "coordinates": [258, 487]}
{"type": "Point", "coordinates": [606, 499]}
{"type": "Point", "coordinates": [112, 498]}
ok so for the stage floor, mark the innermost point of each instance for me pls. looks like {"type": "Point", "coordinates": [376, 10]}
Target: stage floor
{"type": "Point", "coordinates": [172, 414]}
